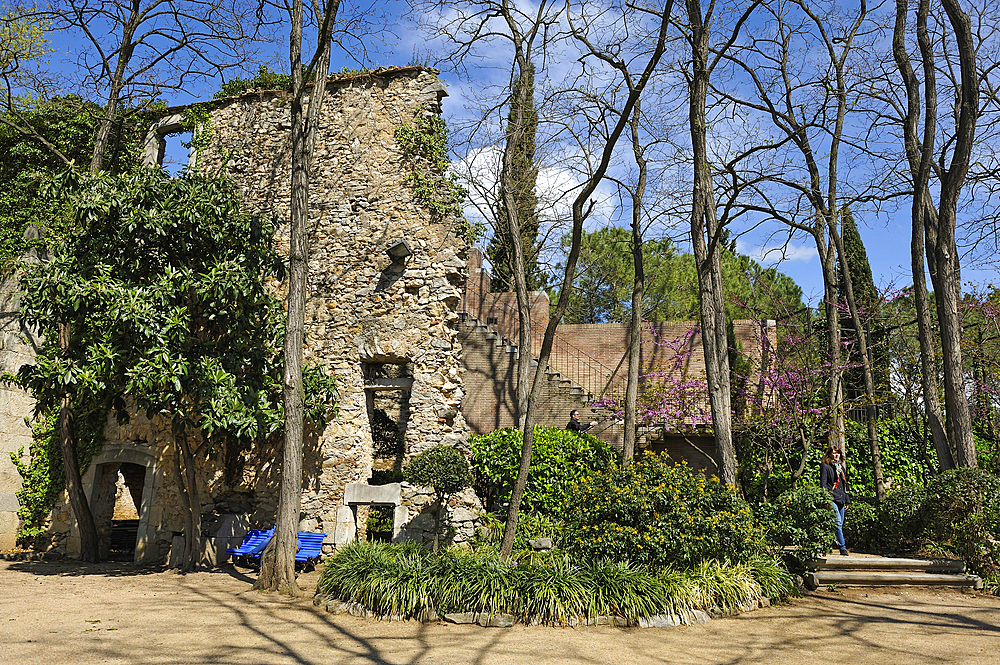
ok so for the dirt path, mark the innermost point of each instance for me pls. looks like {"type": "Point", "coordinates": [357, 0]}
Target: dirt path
{"type": "Point", "coordinates": [61, 613]}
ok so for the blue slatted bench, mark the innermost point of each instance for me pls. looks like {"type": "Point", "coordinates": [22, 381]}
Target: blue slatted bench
{"type": "Point", "coordinates": [310, 548]}
{"type": "Point", "coordinates": [253, 543]}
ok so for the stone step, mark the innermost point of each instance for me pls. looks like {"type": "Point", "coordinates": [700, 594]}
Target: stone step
{"type": "Point", "coordinates": [888, 564]}
{"type": "Point", "coordinates": [891, 578]}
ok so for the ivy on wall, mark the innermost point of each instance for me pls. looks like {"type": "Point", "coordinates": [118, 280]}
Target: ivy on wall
{"type": "Point", "coordinates": [425, 148]}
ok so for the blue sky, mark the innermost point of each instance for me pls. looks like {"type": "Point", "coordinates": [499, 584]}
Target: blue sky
{"type": "Point", "coordinates": [886, 237]}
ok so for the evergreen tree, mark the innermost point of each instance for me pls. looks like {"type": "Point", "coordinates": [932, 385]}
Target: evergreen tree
{"type": "Point", "coordinates": [868, 300]}
{"type": "Point", "coordinates": [525, 175]}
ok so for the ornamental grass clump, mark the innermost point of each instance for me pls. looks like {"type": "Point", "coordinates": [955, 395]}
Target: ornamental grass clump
{"type": "Point", "coordinates": [660, 514]}
{"type": "Point", "coordinates": [405, 580]}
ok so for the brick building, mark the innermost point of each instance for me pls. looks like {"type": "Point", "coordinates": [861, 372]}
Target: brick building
{"type": "Point", "coordinates": [589, 362]}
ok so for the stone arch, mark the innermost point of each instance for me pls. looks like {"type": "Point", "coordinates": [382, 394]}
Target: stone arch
{"type": "Point", "coordinates": [128, 453]}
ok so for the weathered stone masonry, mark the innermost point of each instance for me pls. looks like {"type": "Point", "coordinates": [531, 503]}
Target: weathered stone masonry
{"type": "Point", "coordinates": [385, 326]}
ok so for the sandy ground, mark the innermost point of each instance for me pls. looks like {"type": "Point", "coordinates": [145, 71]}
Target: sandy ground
{"type": "Point", "coordinates": [54, 613]}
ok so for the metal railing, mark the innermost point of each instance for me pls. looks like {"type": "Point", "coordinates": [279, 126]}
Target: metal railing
{"type": "Point", "coordinates": [597, 380]}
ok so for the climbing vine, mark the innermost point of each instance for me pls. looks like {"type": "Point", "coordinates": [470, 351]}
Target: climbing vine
{"type": "Point", "coordinates": [425, 147]}
{"type": "Point", "coordinates": [197, 119]}
{"type": "Point", "coordinates": [43, 476]}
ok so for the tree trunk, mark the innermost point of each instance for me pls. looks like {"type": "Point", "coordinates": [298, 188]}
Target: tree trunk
{"type": "Point", "coordinates": [706, 245]}
{"type": "Point", "coordinates": [938, 226]}
{"type": "Point", "coordinates": [515, 130]}
{"type": "Point", "coordinates": [638, 286]}
{"type": "Point", "coordinates": [71, 467]}
{"type": "Point", "coordinates": [277, 570]}
{"type": "Point", "coordinates": [919, 158]}
{"type": "Point", "coordinates": [187, 476]}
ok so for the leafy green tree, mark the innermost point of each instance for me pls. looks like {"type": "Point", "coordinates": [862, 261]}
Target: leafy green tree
{"type": "Point", "coordinates": [443, 468]}
{"type": "Point", "coordinates": [68, 124]}
{"type": "Point", "coordinates": [524, 177]}
{"type": "Point", "coordinates": [602, 292]}
{"type": "Point", "coordinates": [163, 288]}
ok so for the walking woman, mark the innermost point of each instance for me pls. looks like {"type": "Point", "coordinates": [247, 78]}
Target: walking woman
{"type": "Point", "coordinates": [833, 478]}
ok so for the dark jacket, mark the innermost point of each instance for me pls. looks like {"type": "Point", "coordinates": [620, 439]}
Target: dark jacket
{"type": "Point", "coordinates": [576, 426]}
{"type": "Point", "coordinates": [838, 487]}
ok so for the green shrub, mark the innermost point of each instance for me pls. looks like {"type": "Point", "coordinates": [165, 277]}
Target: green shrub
{"type": "Point", "coordinates": [962, 513]}
{"type": "Point", "coordinates": [801, 517]}
{"type": "Point", "coordinates": [862, 529]}
{"type": "Point", "coordinates": [443, 468]}
{"type": "Point", "coordinates": [660, 514]}
{"type": "Point", "coordinates": [558, 460]}
{"type": "Point", "coordinates": [405, 580]}
{"type": "Point", "coordinates": [900, 522]}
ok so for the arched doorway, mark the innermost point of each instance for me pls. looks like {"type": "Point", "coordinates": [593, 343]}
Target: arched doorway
{"type": "Point", "coordinates": [120, 485]}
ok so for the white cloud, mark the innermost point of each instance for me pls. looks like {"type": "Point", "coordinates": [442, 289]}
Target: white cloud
{"type": "Point", "coordinates": [775, 254]}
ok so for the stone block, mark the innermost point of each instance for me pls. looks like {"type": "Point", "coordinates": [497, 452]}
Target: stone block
{"type": "Point", "coordinates": [463, 515]}
{"type": "Point", "coordinates": [540, 543]}
{"type": "Point", "coordinates": [659, 621]}
{"type": "Point", "coordinates": [495, 621]}
{"type": "Point", "coordinates": [400, 515]}
{"type": "Point", "coordinates": [175, 557]}
{"type": "Point", "coordinates": [391, 494]}
{"type": "Point", "coordinates": [460, 617]}
{"type": "Point", "coordinates": [346, 530]}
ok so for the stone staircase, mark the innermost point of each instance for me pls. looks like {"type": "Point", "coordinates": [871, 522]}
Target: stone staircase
{"type": "Point", "coordinates": [867, 570]}
{"type": "Point", "coordinates": [561, 384]}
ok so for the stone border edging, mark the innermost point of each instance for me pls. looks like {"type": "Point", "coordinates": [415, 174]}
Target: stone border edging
{"type": "Point", "coordinates": [486, 620]}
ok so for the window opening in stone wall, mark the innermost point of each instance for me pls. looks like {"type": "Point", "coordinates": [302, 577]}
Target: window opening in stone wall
{"type": "Point", "coordinates": [387, 386]}
{"type": "Point", "coordinates": [379, 524]}
{"type": "Point", "coordinates": [117, 509]}
{"type": "Point", "coordinates": [177, 153]}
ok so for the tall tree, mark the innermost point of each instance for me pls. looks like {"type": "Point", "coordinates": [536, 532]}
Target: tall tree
{"type": "Point", "coordinates": [523, 181]}
{"type": "Point", "coordinates": [277, 568]}
{"type": "Point", "coordinates": [933, 225]}
{"type": "Point", "coordinates": [707, 234]}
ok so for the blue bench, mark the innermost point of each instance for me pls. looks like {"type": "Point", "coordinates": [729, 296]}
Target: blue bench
{"type": "Point", "coordinates": [310, 548]}
{"type": "Point", "coordinates": [253, 544]}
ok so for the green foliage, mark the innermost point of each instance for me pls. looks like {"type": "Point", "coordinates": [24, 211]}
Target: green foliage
{"type": "Point", "coordinates": [559, 459]}
{"type": "Point", "coordinates": [442, 467]}
{"type": "Point", "coordinates": [407, 580]}
{"type": "Point", "coordinates": [197, 119]}
{"type": "Point", "coordinates": [425, 149]}
{"type": "Point", "coordinates": [265, 79]}
{"type": "Point", "coordinates": [70, 124]}
{"type": "Point", "coordinates": [385, 476]}
{"type": "Point", "coordinates": [162, 284]}
{"type": "Point", "coordinates": [962, 514]}
{"type": "Point", "coordinates": [861, 525]}
{"type": "Point", "coordinates": [907, 456]}
{"type": "Point", "coordinates": [657, 513]}
{"type": "Point", "coordinates": [521, 181]}
{"type": "Point", "coordinates": [603, 291]}
{"type": "Point", "coordinates": [801, 517]}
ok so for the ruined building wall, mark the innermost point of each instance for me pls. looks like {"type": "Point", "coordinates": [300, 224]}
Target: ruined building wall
{"type": "Point", "coordinates": [386, 328]}
{"type": "Point", "coordinates": [15, 406]}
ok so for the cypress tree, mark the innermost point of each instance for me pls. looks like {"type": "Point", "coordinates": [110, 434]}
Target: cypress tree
{"type": "Point", "coordinates": [499, 250]}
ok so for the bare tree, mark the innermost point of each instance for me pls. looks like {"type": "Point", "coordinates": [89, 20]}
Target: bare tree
{"type": "Point", "coordinates": [933, 226]}
{"type": "Point", "coordinates": [706, 232]}
{"type": "Point", "coordinates": [277, 568]}
{"type": "Point", "coordinates": [808, 110]}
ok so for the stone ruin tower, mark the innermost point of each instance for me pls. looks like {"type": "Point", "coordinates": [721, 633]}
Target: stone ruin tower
{"type": "Point", "coordinates": [385, 281]}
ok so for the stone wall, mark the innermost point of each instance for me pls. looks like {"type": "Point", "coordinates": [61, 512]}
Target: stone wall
{"type": "Point", "coordinates": [386, 328]}
{"type": "Point", "coordinates": [15, 405]}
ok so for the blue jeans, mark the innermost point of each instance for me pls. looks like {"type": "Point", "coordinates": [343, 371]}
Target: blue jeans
{"type": "Point", "coordinates": [839, 528]}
